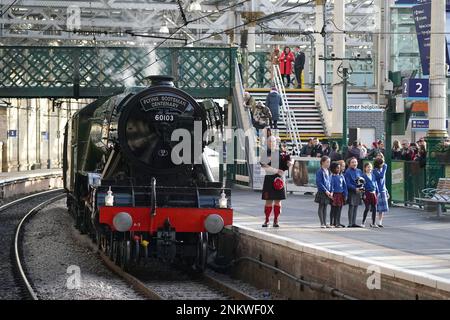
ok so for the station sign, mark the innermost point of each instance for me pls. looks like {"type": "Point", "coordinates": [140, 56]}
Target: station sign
{"type": "Point", "coordinates": [422, 124]}
{"type": "Point", "coordinates": [44, 135]}
{"type": "Point", "coordinates": [416, 88]}
{"type": "Point", "coordinates": [372, 107]}
{"type": "Point", "coordinates": [12, 133]}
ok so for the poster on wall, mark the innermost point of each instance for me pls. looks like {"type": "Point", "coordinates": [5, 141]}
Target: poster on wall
{"type": "Point", "coordinates": [302, 175]}
{"type": "Point", "coordinates": [398, 181]}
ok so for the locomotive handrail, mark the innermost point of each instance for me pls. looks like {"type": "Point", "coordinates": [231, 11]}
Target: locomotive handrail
{"type": "Point", "coordinates": [153, 198]}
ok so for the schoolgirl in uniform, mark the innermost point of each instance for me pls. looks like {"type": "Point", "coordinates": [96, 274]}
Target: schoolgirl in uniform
{"type": "Point", "coordinates": [339, 194]}
{"type": "Point", "coordinates": [323, 195]}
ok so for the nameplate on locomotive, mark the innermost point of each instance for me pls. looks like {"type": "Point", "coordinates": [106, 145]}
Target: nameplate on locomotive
{"type": "Point", "coordinates": [163, 101]}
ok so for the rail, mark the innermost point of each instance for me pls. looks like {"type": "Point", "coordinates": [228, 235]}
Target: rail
{"type": "Point", "coordinates": [243, 120]}
{"type": "Point", "coordinates": [324, 94]}
{"type": "Point", "coordinates": [287, 115]}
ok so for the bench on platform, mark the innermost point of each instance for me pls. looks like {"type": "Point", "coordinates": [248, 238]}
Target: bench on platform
{"type": "Point", "coordinates": [440, 196]}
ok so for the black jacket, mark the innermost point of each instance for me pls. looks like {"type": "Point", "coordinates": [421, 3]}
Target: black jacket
{"type": "Point", "coordinates": [299, 62]}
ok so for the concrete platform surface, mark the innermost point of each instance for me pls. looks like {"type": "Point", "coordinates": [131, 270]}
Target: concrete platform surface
{"type": "Point", "coordinates": [413, 246]}
{"type": "Point", "coordinates": [18, 175]}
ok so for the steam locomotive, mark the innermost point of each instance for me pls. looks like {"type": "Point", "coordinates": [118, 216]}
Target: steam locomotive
{"type": "Point", "coordinates": [133, 189]}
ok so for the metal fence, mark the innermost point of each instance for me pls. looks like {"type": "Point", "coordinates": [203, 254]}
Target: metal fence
{"type": "Point", "coordinates": [78, 72]}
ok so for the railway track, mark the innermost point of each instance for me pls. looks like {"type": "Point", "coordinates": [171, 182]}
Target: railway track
{"type": "Point", "coordinates": [13, 215]}
{"type": "Point", "coordinates": [167, 283]}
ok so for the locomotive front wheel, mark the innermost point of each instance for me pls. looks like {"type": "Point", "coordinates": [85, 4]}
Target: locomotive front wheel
{"type": "Point", "coordinates": [202, 251]}
{"type": "Point", "coordinates": [125, 254]}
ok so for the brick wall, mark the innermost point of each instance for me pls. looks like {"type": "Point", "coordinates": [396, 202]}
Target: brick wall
{"type": "Point", "coordinates": [367, 119]}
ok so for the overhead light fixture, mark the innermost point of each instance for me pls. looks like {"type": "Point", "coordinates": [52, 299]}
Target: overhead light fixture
{"type": "Point", "coordinates": [164, 29]}
{"type": "Point", "coordinates": [195, 6]}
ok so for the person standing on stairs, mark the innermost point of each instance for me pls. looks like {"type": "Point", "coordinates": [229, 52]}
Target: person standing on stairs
{"type": "Point", "coordinates": [286, 59]}
{"type": "Point", "coordinates": [275, 61]}
{"type": "Point", "coordinates": [273, 102]}
{"type": "Point", "coordinates": [299, 65]}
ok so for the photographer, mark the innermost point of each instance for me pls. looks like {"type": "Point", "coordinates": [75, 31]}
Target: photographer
{"type": "Point", "coordinates": [352, 175]}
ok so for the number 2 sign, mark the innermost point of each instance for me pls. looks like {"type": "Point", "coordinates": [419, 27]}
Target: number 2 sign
{"type": "Point", "coordinates": [416, 88]}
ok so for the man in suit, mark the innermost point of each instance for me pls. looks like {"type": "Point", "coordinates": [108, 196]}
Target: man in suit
{"type": "Point", "coordinates": [299, 65]}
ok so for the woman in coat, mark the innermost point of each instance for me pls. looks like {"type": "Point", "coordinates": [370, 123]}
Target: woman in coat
{"type": "Point", "coordinates": [286, 59]}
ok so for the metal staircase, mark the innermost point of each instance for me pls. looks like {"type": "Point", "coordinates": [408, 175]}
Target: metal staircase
{"type": "Point", "coordinates": [304, 114]}
{"type": "Point", "coordinates": [287, 115]}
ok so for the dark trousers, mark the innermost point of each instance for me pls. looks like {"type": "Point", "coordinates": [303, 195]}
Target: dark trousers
{"type": "Point", "coordinates": [335, 216]}
{"type": "Point", "coordinates": [298, 76]}
{"type": "Point", "coordinates": [373, 208]}
{"type": "Point", "coordinates": [288, 79]}
{"type": "Point", "coordinates": [322, 212]}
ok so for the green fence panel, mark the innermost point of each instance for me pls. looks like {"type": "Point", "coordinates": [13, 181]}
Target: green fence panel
{"type": "Point", "coordinates": [259, 70]}
{"type": "Point", "coordinates": [414, 181]}
{"type": "Point", "coordinates": [27, 71]}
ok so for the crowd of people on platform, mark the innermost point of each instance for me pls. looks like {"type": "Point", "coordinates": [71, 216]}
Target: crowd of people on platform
{"type": "Point", "coordinates": [339, 181]}
{"type": "Point", "coordinates": [414, 151]}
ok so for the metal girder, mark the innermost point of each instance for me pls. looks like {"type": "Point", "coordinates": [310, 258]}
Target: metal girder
{"type": "Point", "coordinates": [44, 22]}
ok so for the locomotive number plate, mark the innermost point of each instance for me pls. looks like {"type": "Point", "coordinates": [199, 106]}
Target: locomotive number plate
{"type": "Point", "coordinates": [164, 117]}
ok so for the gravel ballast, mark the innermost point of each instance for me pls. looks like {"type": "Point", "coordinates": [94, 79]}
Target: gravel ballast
{"type": "Point", "coordinates": [60, 266]}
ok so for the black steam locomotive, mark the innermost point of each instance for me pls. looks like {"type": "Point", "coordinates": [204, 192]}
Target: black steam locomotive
{"type": "Point", "coordinates": [137, 179]}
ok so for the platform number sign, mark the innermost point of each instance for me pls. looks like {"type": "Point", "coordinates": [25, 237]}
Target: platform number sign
{"type": "Point", "coordinates": [416, 88]}
{"type": "Point", "coordinates": [12, 133]}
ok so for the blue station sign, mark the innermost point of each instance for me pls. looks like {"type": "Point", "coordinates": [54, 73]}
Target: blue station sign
{"type": "Point", "coordinates": [418, 89]}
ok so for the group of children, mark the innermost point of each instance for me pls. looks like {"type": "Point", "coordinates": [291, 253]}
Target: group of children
{"type": "Point", "coordinates": [337, 186]}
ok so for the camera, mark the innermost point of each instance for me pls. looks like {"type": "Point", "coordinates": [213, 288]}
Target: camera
{"type": "Point", "coordinates": [333, 55]}
{"type": "Point", "coordinates": [360, 183]}
{"type": "Point", "coordinates": [356, 55]}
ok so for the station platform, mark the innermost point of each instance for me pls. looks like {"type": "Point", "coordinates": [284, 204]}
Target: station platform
{"type": "Point", "coordinates": [6, 177]}
{"type": "Point", "coordinates": [14, 184]}
{"type": "Point", "coordinates": [414, 245]}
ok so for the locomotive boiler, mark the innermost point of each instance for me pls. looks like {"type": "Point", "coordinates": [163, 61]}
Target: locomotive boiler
{"type": "Point", "coordinates": [137, 179]}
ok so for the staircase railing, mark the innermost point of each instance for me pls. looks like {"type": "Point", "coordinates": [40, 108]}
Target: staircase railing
{"type": "Point", "coordinates": [244, 120]}
{"type": "Point", "coordinates": [325, 108]}
{"type": "Point", "coordinates": [287, 115]}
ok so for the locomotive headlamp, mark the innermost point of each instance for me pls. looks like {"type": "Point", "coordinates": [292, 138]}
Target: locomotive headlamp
{"type": "Point", "coordinates": [122, 221]}
{"type": "Point", "coordinates": [214, 223]}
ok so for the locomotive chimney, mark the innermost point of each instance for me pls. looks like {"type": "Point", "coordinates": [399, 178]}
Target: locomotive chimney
{"type": "Point", "coordinates": [166, 81]}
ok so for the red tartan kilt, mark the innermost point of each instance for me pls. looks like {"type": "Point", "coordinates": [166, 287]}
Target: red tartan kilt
{"type": "Point", "coordinates": [370, 199]}
{"type": "Point", "coordinates": [338, 200]}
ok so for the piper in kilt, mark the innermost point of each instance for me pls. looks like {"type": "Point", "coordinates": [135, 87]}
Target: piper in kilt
{"type": "Point", "coordinates": [274, 189]}
{"type": "Point", "coordinates": [380, 175]}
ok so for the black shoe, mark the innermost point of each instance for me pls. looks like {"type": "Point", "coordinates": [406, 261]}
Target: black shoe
{"type": "Point", "coordinates": [276, 225]}
{"type": "Point", "coordinates": [265, 225]}
{"type": "Point", "coordinates": [356, 226]}
{"type": "Point", "coordinates": [380, 226]}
